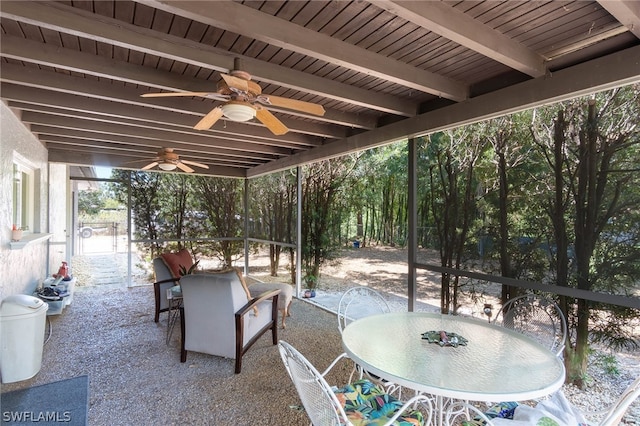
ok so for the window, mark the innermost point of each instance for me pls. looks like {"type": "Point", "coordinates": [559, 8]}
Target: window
{"type": "Point", "coordinates": [23, 193]}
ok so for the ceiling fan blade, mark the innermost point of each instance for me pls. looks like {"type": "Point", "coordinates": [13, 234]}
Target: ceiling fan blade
{"type": "Point", "coordinates": [235, 82]}
{"type": "Point", "coordinates": [209, 119]}
{"type": "Point", "coordinates": [173, 94]}
{"type": "Point", "coordinates": [303, 106]}
{"type": "Point", "coordinates": [150, 166]}
{"type": "Point", "coordinates": [193, 163]}
{"type": "Point", "coordinates": [184, 167]}
{"type": "Point", "coordinates": [272, 123]}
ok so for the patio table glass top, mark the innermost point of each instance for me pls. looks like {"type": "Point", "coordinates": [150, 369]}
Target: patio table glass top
{"type": "Point", "coordinates": [495, 364]}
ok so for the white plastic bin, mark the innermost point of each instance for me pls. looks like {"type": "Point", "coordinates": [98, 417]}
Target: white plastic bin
{"type": "Point", "coordinates": [22, 324]}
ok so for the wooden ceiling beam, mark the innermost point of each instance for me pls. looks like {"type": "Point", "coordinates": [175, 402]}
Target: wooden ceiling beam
{"type": "Point", "coordinates": [72, 60]}
{"type": "Point", "coordinates": [99, 159]}
{"type": "Point", "coordinates": [123, 152]}
{"type": "Point", "coordinates": [460, 28]}
{"type": "Point", "coordinates": [625, 11]}
{"type": "Point", "coordinates": [244, 20]}
{"type": "Point", "coordinates": [74, 106]}
{"type": "Point", "coordinates": [74, 21]}
{"type": "Point", "coordinates": [138, 146]}
{"type": "Point", "coordinates": [103, 90]}
{"type": "Point", "coordinates": [168, 137]}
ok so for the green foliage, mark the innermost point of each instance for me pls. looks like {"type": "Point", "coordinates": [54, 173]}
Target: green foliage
{"type": "Point", "coordinates": [221, 201]}
{"type": "Point", "coordinates": [100, 205]}
{"type": "Point", "coordinates": [310, 280]}
{"type": "Point", "coordinates": [91, 202]}
{"type": "Point", "coordinates": [273, 213]}
{"type": "Point", "coordinates": [608, 363]}
{"type": "Point", "coordinates": [171, 210]}
{"type": "Point", "coordinates": [506, 197]}
{"type": "Point", "coordinates": [323, 185]}
{"type": "Point", "coordinates": [146, 202]}
{"type": "Point", "coordinates": [192, 269]}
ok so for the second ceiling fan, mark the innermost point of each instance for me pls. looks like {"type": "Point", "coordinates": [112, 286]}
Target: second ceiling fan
{"type": "Point", "coordinates": [168, 160]}
{"type": "Point", "coordinates": [243, 100]}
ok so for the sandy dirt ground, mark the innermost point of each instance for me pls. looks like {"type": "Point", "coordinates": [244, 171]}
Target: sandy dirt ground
{"type": "Point", "coordinates": [384, 269]}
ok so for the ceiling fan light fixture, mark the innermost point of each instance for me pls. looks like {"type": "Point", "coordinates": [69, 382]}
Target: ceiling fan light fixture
{"type": "Point", "coordinates": [238, 112]}
{"type": "Point", "coordinates": [167, 166]}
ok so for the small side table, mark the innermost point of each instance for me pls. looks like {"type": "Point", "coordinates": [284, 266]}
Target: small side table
{"type": "Point", "coordinates": [174, 297]}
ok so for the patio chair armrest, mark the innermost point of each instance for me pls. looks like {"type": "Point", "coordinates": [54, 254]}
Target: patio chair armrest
{"type": "Point", "coordinates": [241, 346]}
{"type": "Point", "coordinates": [159, 297]}
{"type": "Point", "coordinates": [254, 302]}
{"type": "Point", "coordinates": [168, 280]}
{"type": "Point", "coordinates": [334, 362]}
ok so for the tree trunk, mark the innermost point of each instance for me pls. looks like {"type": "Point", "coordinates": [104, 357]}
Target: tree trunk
{"type": "Point", "coordinates": [585, 237]}
{"type": "Point", "coordinates": [556, 209]}
{"type": "Point", "coordinates": [508, 292]}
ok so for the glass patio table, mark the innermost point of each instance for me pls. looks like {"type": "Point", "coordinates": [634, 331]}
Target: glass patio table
{"type": "Point", "coordinates": [496, 364]}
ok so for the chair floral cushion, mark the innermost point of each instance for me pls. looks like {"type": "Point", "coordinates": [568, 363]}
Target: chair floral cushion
{"type": "Point", "coordinates": [366, 404]}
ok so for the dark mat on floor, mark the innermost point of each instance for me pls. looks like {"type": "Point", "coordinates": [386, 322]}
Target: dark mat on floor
{"type": "Point", "coordinates": [63, 402]}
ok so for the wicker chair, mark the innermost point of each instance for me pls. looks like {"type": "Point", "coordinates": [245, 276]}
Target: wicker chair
{"type": "Point", "coordinates": [361, 400]}
{"type": "Point", "coordinates": [536, 317]}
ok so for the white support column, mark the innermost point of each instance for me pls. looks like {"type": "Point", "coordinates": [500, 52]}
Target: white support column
{"type": "Point", "coordinates": [299, 232]}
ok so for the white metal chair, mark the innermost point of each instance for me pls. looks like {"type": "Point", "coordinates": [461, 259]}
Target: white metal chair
{"type": "Point", "coordinates": [327, 406]}
{"type": "Point", "coordinates": [612, 415]}
{"type": "Point", "coordinates": [536, 317]}
{"type": "Point", "coordinates": [460, 412]}
{"type": "Point", "coordinates": [359, 302]}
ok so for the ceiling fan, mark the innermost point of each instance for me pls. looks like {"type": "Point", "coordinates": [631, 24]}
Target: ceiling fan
{"type": "Point", "coordinates": [244, 100]}
{"type": "Point", "coordinates": [168, 160]}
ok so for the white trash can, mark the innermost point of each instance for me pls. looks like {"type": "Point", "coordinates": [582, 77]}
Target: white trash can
{"type": "Point", "coordinates": [22, 324]}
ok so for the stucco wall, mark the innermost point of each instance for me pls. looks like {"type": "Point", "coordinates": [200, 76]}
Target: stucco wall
{"type": "Point", "coordinates": [22, 270]}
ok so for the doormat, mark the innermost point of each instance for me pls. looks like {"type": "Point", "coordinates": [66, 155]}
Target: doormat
{"type": "Point", "coordinates": [64, 402]}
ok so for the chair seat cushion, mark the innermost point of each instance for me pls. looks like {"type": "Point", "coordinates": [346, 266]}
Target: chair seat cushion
{"type": "Point", "coordinates": [366, 404]}
{"type": "Point", "coordinates": [176, 291]}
